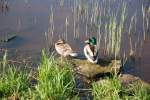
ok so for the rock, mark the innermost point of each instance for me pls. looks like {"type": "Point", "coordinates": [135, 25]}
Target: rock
{"type": "Point", "coordinates": [91, 70]}
{"type": "Point", "coordinates": [128, 79]}
{"type": "Point", "coordinates": [6, 35]}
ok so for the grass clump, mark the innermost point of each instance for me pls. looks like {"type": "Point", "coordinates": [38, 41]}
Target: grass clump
{"type": "Point", "coordinates": [136, 91]}
{"type": "Point", "coordinates": [12, 80]}
{"type": "Point", "coordinates": [54, 83]}
{"type": "Point", "coordinates": [107, 89]}
{"type": "Point", "coordinates": [112, 89]}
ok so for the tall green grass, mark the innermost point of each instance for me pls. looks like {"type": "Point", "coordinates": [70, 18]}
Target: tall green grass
{"type": "Point", "coordinates": [54, 82]}
{"type": "Point", "coordinates": [12, 79]}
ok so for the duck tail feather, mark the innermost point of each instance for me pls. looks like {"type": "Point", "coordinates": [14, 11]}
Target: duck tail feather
{"type": "Point", "coordinates": [73, 54]}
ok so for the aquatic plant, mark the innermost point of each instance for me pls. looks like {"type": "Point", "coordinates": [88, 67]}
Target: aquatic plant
{"type": "Point", "coordinates": [143, 16]}
{"type": "Point", "coordinates": [66, 25]}
{"type": "Point", "coordinates": [131, 30]}
{"type": "Point", "coordinates": [103, 18]}
{"type": "Point", "coordinates": [116, 29]}
{"type": "Point", "coordinates": [61, 2]}
{"type": "Point", "coordinates": [110, 25]}
{"type": "Point", "coordinates": [49, 35]}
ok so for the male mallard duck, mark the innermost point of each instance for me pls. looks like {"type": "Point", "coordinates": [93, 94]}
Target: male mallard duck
{"type": "Point", "coordinates": [90, 50]}
{"type": "Point", "coordinates": [64, 48]}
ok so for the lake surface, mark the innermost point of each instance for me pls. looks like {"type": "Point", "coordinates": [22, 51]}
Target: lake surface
{"type": "Point", "coordinates": [30, 19]}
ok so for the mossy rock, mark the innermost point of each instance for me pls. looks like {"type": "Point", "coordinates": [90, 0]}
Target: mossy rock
{"type": "Point", "coordinates": [91, 70]}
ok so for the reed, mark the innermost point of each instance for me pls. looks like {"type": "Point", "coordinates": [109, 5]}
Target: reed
{"type": "Point", "coordinates": [143, 16]}
{"type": "Point", "coordinates": [121, 29]}
{"type": "Point", "coordinates": [130, 32]}
{"type": "Point", "coordinates": [99, 35]}
{"type": "Point", "coordinates": [74, 19]}
{"type": "Point", "coordinates": [51, 28]}
{"type": "Point", "coordinates": [49, 35]}
{"type": "Point", "coordinates": [66, 24]}
{"type": "Point", "coordinates": [146, 21]}
{"type": "Point", "coordinates": [108, 20]}
{"type": "Point", "coordinates": [95, 12]}
{"type": "Point", "coordinates": [4, 62]}
{"type": "Point", "coordinates": [61, 2]}
{"type": "Point", "coordinates": [19, 24]}
{"type": "Point", "coordinates": [78, 19]}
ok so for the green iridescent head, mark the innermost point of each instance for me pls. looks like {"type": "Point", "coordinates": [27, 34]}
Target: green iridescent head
{"type": "Point", "coordinates": [91, 41]}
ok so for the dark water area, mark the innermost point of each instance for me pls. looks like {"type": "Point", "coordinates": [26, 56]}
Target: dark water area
{"type": "Point", "coordinates": [143, 67]}
{"type": "Point", "coordinates": [30, 19]}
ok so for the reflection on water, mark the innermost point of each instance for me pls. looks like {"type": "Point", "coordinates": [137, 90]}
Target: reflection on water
{"type": "Point", "coordinates": [32, 18]}
{"type": "Point", "coordinates": [4, 7]}
{"type": "Point", "coordinates": [144, 64]}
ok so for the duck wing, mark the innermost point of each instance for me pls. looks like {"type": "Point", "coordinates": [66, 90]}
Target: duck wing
{"type": "Point", "coordinates": [67, 49]}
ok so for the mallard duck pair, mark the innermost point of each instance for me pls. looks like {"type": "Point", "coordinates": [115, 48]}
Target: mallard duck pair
{"type": "Point", "coordinates": [90, 50]}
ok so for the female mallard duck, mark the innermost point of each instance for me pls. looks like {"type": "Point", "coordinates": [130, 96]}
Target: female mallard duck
{"type": "Point", "coordinates": [90, 50]}
{"type": "Point", "coordinates": [64, 48]}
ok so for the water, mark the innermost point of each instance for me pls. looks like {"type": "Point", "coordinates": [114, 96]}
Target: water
{"type": "Point", "coordinates": [30, 20]}
{"type": "Point", "coordinates": [143, 68]}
